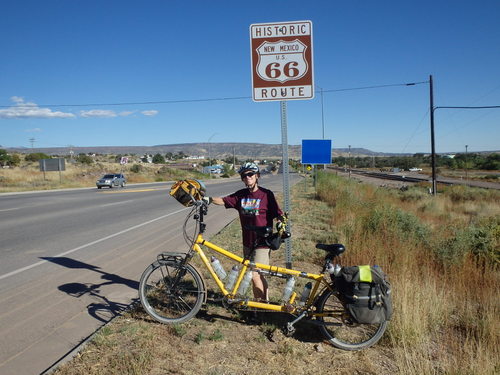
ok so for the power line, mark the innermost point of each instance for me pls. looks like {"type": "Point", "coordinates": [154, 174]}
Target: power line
{"type": "Point", "coordinates": [483, 107]}
{"type": "Point", "coordinates": [377, 86]}
{"type": "Point", "coordinates": [126, 103]}
{"type": "Point", "coordinates": [23, 105]}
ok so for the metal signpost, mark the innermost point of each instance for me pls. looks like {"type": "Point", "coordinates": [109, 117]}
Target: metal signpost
{"type": "Point", "coordinates": [282, 69]}
{"type": "Point", "coordinates": [48, 165]}
{"type": "Point", "coordinates": [123, 161]}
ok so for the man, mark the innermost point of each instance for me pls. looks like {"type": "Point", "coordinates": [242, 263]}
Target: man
{"type": "Point", "coordinates": [256, 206]}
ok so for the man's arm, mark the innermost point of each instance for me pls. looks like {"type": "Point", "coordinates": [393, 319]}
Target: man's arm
{"type": "Point", "coordinates": [215, 200]}
{"type": "Point", "coordinates": [218, 201]}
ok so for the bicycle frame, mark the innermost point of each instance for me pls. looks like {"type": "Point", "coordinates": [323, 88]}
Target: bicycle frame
{"type": "Point", "coordinates": [177, 296]}
{"type": "Point", "coordinates": [318, 279]}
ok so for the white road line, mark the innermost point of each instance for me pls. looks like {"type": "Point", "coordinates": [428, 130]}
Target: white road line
{"type": "Point", "coordinates": [4, 276]}
{"type": "Point", "coordinates": [11, 209]}
{"type": "Point", "coordinates": [115, 203]}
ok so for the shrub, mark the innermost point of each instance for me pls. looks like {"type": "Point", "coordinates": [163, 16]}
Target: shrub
{"type": "Point", "coordinates": [136, 168]}
{"type": "Point", "coordinates": [8, 159]}
{"type": "Point", "coordinates": [36, 156]}
{"type": "Point", "coordinates": [413, 194]}
{"type": "Point", "coordinates": [84, 159]}
{"type": "Point", "coordinates": [398, 223]}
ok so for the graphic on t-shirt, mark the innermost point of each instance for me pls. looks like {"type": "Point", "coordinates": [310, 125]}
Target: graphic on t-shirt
{"type": "Point", "coordinates": [250, 206]}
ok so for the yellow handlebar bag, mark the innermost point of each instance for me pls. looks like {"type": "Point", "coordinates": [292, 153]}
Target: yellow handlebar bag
{"type": "Point", "coordinates": [188, 191]}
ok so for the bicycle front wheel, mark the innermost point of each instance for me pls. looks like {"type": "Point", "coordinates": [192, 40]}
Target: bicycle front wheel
{"type": "Point", "coordinates": [340, 330]}
{"type": "Point", "coordinates": [171, 292]}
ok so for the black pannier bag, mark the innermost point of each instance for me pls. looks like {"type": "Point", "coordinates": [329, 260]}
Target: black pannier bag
{"type": "Point", "coordinates": [366, 293]}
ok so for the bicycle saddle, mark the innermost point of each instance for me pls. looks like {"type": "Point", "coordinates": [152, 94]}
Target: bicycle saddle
{"type": "Point", "coordinates": [334, 249]}
{"type": "Point", "coordinates": [260, 231]}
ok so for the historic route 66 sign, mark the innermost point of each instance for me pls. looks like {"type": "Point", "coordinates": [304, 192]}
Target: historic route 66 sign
{"type": "Point", "coordinates": [282, 67]}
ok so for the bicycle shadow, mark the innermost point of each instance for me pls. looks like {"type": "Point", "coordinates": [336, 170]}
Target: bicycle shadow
{"type": "Point", "coordinates": [105, 309]}
{"type": "Point", "coordinates": [270, 320]}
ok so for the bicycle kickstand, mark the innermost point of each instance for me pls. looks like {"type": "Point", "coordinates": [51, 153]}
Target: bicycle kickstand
{"type": "Point", "coordinates": [290, 329]}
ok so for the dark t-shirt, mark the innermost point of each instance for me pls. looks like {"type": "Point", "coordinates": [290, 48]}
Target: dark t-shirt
{"type": "Point", "coordinates": [255, 208]}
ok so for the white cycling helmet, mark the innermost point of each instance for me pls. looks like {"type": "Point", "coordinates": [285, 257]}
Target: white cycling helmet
{"type": "Point", "coordinates": [248, 167]}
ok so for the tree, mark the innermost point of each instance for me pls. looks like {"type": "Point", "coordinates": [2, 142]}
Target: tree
{"type": "Point", "coordinates": [492, 162]}
{"type": "Point", "coordinates": [158, 159]}
{"type": "Point", "coordinates": [15, 160]}
{"type": "Point", "coordinates": [36, 156]}
{"type": "Point", "coordinates": [5, 158]}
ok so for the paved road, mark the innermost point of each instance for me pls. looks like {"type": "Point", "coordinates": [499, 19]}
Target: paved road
{"type": "Point", "coordinates": [70, 261]}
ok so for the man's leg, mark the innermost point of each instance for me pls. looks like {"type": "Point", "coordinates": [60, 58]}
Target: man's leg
{"type": "Point", "coordinates": [259, 282]}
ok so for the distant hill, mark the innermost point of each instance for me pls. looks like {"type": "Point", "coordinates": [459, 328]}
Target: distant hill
{"type": "Point", "coordinates": [216, 150]}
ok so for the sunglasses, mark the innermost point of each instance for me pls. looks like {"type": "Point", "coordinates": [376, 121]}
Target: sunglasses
{"type": "Point", "coordinates": [247, 175]}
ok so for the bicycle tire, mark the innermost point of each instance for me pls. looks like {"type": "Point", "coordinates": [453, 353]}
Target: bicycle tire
{"type": "Point", "coordinates": [171, 292]}
{"type": "Point", "coordinates": [340, 330]}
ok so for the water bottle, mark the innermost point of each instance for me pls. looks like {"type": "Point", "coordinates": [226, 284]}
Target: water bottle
{"type": "Point", "coordinates": [219, 270]}
{"type": "Point", "coordinates": [333, 269]}
{"type": "Point", "coordinates": [232, 278]}
{"type": "Point", "coordinates": [305, 293]}
{"type": "Point", "coordinates": [287, 292]}
{"type": "Point", "coordinates": [336, 269]}
{"type": "Point", "coordinates": [245, 283]}
{"type": "Point", "coordinates": [330, 268]}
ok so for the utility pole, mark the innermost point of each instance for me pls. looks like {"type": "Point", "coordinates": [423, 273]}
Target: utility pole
{"type": "Point", "coordinates": [322, 114]}
{"type": "Point", "coordinates": [322, 119]}
{"type": "Point", "coordinates": [433, 147]}
{"type": "Point", "coordinates": [466, 167]}
{"type": "Point", "coordinates": [432, 109]}
{"type": "Point", "coordinates": [349, 161]}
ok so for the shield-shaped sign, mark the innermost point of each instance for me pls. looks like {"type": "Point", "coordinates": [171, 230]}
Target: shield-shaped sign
{"type": "Point", "coordinates": [282, 61]}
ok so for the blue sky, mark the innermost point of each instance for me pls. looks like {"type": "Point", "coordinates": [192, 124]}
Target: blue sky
{"type": "Point", "coordinates": [59, 56]}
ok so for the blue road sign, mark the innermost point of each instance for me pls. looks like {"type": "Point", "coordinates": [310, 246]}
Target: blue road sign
{"type": "Point", "coordinates": [316, 151]}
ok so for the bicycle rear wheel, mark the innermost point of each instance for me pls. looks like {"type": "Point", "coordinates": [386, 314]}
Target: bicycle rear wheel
{"type": "Point", "coordinates": [339, 329]}
{"type": "Point", "coordinates": [171, 292]}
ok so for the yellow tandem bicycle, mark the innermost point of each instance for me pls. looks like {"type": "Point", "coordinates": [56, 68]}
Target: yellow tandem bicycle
{"type": "Point", "coordinates": [172, 290]}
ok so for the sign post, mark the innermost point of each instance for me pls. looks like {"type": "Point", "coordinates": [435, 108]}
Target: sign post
{"type": "Point", "coordinates": [48, 165]}
{"type": "Point", "coordinates": [282, 69]}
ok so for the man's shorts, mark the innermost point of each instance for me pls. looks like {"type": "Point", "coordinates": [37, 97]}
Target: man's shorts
{"type": "Point", "coordinates": [261, 255]}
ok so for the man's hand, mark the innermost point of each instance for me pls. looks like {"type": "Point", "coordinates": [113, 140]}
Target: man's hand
{"type": "Point", "coordinates": [279, 227]}
{"type": "Point", "coordinates": [282, 226]}
{"type": "Point", "coordinates": [207, 200]}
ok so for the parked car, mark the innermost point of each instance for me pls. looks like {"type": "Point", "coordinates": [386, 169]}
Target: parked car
{"type": "Point", "coordinates": [111, 180]}
{"type": "Point", "coordinates": [415, 169]}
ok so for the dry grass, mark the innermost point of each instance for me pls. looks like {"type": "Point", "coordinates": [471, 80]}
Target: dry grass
{"type": "Point", "coordinates": [28, 176]}
{"type": "Point", "coordinates": [442, 254]}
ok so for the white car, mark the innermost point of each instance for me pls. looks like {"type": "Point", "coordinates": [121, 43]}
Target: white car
{"type": "Point", "coordinates": [415, 169]}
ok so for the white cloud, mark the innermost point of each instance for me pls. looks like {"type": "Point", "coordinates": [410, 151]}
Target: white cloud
{"type": "Point", "coordinates": [23, 109]}
{"type": "Point", "coordinates": [125, 113]}
{"type": "Point", "coordinates": [17, 99]}
{"type": "Point", "coordinates": [98, 113]}
{"type": "Point", "coordinates": [150, 113]}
